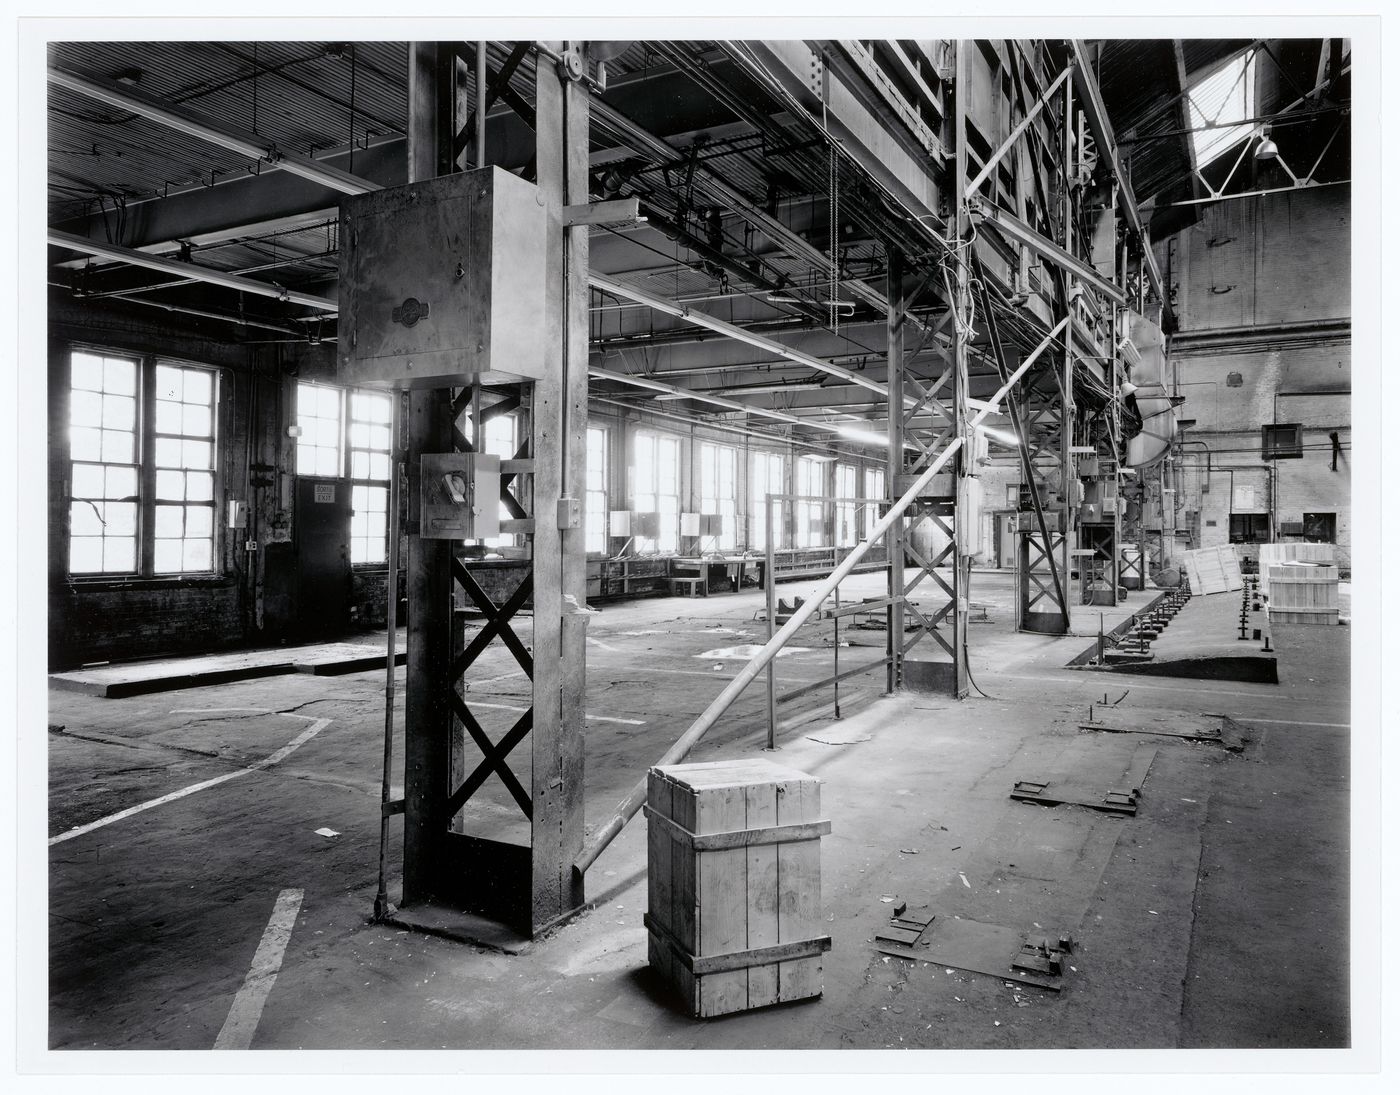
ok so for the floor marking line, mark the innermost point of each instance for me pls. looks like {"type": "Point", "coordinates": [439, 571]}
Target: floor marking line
{"type": "Point", "coordinates": [1293, 722]}
{"type": "Point", "coordinates": [605, 646]}
{"type": "Point", "coordinates": [247, 1009]}
{"type": "Point", "coordinates": [595, 718]}
{"type": "Point", "coordinates": [194, 788]}
{"type": "Point", "coordinates": [219, 710]}
{"type": "Point", "coordinates": [1073, 677]}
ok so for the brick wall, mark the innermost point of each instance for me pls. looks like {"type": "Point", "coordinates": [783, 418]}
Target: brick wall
{"type": "Point", "coordinates": [1263, 301]}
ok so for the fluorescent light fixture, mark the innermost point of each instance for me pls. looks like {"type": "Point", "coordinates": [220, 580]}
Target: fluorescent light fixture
{"type": "Point", "coordinates": [1006, 437]}
{"type": "Point", "coordinates": [868, 436]}
{"type": "Point", "coordinates": [778, 298]}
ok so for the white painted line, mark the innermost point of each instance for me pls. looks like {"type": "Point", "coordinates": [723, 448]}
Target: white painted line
{"type": "Point", "coordinates": [502, 677]}
{"type": "Point", "coordinates": [317, 725]}
{"type": "Point", "coordinates": [1078, 677]}
{"type": "Point", "coordinates": [220, 710]}
{"type": "Point", "coordinates": [522, 710]}
{"type": "Point", "coordinates": [1294, 722]}
{"type": "Point", "coordinates": [247, 1009]}
{"type": "Point", "coordinates": [605, 646]}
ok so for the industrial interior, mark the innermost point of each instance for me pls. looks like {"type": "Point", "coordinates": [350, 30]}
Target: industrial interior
{"type": "Point", "coordinates": [707, 544]}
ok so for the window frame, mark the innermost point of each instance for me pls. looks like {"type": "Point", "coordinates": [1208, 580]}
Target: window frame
{"type": "Point", "coordinates": [598, 536]}
{"type": "Point", "coordinates": [1327, 519]}
{"type": "Point", "coordinates": [712, 458]}
{"type": "Point", "coordinates": [1209, 145]}
{"type": "Point", "coordinates": [759, 487]}
{"type": "Point", "coordinates": [874, 487]}
{"type": "Point", "coordinates": [667, 538]}
{"type": "Point", "coordinates": [1251, 537]}
{"type": "Point", "coordinates": [1272, 443]}
{"type": "Point", "coordinates": [345, 456]}
{"type": "Point", "coordinates": [144, 435]}
{"type": "Point", "coordinates": [370, 482]}
{"type": "Point", "coordinates": [807, 514]}
{"type": "Point", "coordinates": [845, 511]}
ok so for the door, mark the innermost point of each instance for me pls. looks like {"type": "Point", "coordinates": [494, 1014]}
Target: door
{"type": "Point", "coordinates": [1006, 540]}
{"type": "Point", "coordinates": [323, 556]}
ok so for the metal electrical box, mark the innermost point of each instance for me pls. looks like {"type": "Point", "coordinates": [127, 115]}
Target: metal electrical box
{"type": "Point", "coordinates": [461, 496]}
{"type": "Point", "coordinates": [442, 283]}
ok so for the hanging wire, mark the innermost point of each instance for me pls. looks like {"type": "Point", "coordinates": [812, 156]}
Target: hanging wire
{"type": "Point", "coordinates": [833, 215]}
{"type": "Point", "coordinates": [351, 165]}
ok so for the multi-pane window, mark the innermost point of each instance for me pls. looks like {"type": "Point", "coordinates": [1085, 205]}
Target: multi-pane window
{"type": "Point", "coordinates": [370, 444]}
{"type": "Point", "coordinates": [595, 522]}
{"type": "Point", "coordinates": [766, 479]}
{"type": "Point", "coordinates": [1283, 441]}
{"type": "Point", "coordinates": [141, 442]}
{"type": "Point", "coordinates": [874, 488]}
{"type": "Point", "coordinates": [319, 442]}
{"type": "Point", "coordinates": [340, 430]}
{"type": "Point", "coordinates": [657, 490]}
{"type": "Point", "coordinates": [845, 511]}
{"type": "Point", "coordinates": [102, 439]}
{"type": "Point", "coordinates": [184, 479]}
{"type": "Point", "coordinates": [811, 483]}
{"type": "Point", "coordinates": [1221, 108]}
{"type": "Point", "coordinates": [717, 471]}
{"type": "Point", "coordinates": [499, 439]}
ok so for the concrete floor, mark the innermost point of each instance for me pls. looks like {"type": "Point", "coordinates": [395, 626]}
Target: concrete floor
{"type": "Point", "coordinates": [1216, 917]}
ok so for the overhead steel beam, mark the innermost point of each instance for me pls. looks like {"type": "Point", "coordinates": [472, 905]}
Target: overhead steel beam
{"type": "Point", "coordinates": [784, 237]}
{"type": "Point", "coordinates": [818, 88]}
{"type": "Point", "coordinates": [194, 124]}
{"type": "Point", "coordinates": [1086, 88]}
{"type": "Point", "coordinates": [849, 432]}
{"type": "Point", "coordinates": [702, 319]}
{"type": "Point", "coordinates": [187, 270]}
{"type": "Point", "coordinates": [1024, 234]}
{"type": "Point", "coordinates": [1006, 145]}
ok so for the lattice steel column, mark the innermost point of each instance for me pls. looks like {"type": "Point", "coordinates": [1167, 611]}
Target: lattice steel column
{"type": "Point", "coordinates": [894, 539]}
{"type": "Point", "coordinates": [450, 755]}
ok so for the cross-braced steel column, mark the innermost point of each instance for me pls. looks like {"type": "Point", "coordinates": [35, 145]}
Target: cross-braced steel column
{"type": "Point", "coordinates": [927, 414]}
{"type": "Point", "coordinates": [527, 886]}
{"type": "Point", "coordinates": [894, 539]}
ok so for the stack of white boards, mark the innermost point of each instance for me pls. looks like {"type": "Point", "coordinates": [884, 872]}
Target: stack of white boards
{"type": "Point", "coordinates": [1301, 582]}
{"type": "Point", "coordinates": [1213, 570]}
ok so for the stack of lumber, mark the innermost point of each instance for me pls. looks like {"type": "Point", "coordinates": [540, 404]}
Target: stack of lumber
{"type": "Point", "coordinates": [1213, 570]}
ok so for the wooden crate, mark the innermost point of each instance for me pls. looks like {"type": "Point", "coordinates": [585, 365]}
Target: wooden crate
{"type": "Point", "coordinates": [1303, 593]}
{"type": "Point", "coordinates": [734, 883]}
{"type": "Point", "coordinates": [1213, 570]}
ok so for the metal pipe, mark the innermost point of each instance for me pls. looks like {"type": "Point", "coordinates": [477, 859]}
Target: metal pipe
{"type": "Point", "coordinates": [481, 104]}
{"type": "Point", "coordinates": [770, 595]}
{"type": "Point", "coordinates": [1255, 193]}
{"type": "Point", "coordinates": [184, 269]}
{"type": "Point", "coordinates": [629, 806]}
{"type": "Point", "coordinates": [391, 615]}
{"type": "Point", "coordinates": [239, 321]}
